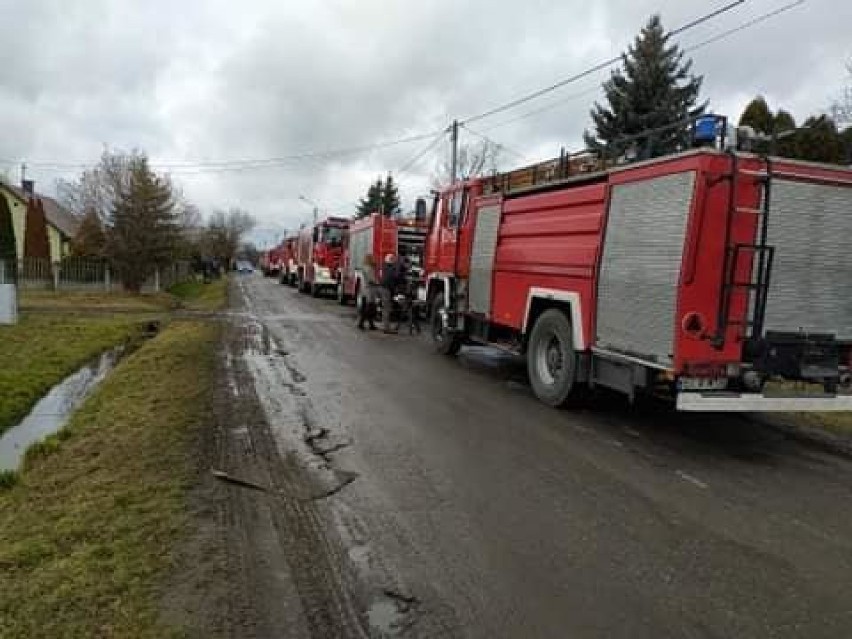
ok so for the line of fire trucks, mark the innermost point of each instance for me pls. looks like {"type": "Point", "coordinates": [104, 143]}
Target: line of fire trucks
{"type": "Point", "coordinates": [718, 277]}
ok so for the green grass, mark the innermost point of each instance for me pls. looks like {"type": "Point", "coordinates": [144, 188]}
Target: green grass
{"type": "Point", "coordinates": [196, 295]}
{"type": "Point", "coordinates": [91, 301]}
{"type": "Point", "coordinates": [87, 531]}
{"type": "Point", "coordinates": [42, 349]}
{"type": "Point", "coordinates": [837, 423]}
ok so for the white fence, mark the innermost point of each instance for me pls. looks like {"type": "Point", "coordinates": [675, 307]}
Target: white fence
{"type": "Point", "coordinates": [84, 274]}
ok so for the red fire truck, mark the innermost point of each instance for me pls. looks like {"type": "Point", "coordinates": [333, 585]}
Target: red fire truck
{"type": "Point", "coordinates": [703, 275]}
{"type": "Point", "coordinates": [270, 261]}
{"type": "Point", "coordinates": [319, 251]}
{"type": "Point", "coordinates": [288, 269]}
{"type": "Point", "coordinates": [379, 236]}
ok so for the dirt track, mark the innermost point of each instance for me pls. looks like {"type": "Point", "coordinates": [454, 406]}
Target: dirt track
{"type": "Point", "coordinates": [404, 494]}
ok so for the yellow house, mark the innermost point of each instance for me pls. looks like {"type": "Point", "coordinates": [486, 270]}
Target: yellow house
{"type": "Point", "coordinates": [62, 225]}
{"type": "Point", "coordinates": [18, 206]}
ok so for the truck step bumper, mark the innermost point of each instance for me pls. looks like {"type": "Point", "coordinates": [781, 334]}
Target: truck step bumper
{"type": "Point", "coordinates": [717, 402]}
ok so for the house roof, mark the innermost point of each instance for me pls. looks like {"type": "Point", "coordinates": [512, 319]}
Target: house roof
{"type": "Point", "coordinates": [63, 219]}
{"type": "Point", "coordinates": [18, 193]}
{"type": "Point", "coordinates": [57, 215]}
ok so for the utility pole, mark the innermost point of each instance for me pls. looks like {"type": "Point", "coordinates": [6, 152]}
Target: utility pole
{"type": "Point", "coordinates": [454, 130]}
{"type": "Point", "coordinates": [316, 214]}
{"type": "Point", "coordinates": [23, 172]}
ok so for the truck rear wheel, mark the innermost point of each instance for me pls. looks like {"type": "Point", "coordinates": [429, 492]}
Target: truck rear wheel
{"type": "Point", "coordinates": [446, 343]}
{"type": "Point", "coordinates": [551, 360]}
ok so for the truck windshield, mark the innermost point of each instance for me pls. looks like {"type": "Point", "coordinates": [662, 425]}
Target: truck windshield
{"type": "Point", "coordinates": [332, 235]}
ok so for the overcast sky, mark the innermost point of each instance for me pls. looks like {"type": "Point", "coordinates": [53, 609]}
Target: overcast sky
{"type": "Point", "coordinates": [206, 81]}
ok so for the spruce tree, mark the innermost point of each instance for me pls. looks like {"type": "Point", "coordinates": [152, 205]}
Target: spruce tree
{"type": "Point", "coordinates": [90, 240]}
{"type": "Point", "coordinates": [786, 146]}
{"type": "Point", "coordinates": [654, 88]}
{"type": "Point", "coordinates": [758, 116]}
{"type": "Point", "coordinates": [819, 141]}
{"type": "Point", "coordinates": [144, 228]}
{"type": "Point", "coordinates": [372, 203]}
{"type": "Point", "coordinates": [390, 198]}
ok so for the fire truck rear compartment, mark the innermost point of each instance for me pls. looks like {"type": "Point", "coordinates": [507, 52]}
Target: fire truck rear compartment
{"type": "Point", "coordinates": [808, 316]}
{"type": "Point", "coordinates": [810, 287]}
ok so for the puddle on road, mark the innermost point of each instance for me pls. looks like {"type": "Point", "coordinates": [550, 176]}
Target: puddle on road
{"type": "Point", "coordinates": [385, 617]}
{"type": "Point", "coordinates": [54, 409]}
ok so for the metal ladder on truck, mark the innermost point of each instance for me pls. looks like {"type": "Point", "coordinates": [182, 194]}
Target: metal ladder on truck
{"type": "Point", "coordinates": [762, 254]}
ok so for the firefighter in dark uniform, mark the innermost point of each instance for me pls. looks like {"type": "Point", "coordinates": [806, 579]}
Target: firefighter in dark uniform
{"type": "Point", "coordinates": [390, 276]}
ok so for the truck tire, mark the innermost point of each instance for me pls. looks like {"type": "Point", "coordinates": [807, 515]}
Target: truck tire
{"type": "Point", "coordinates": [445, 343]}
{"type": "Point", "coordinates": [302, 285]}
{"type": "Point", "coordinates": [342, 298]}
{"type": "Point", "coordinates": [551, 359]}
{"type": "Point", "coordinates": [314, 290]}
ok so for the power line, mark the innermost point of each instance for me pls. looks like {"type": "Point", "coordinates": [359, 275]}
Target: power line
{"type": "Point", "coordinates": [499, 145]}
{"type": "Point", "coordinates": [720, 36]}
{"type": "Point", "coordinates": [745, 25]}
{"type": "Point", "coordinates": [190, 168]}
{"type": "Point", "coordinates": [417, 157]}
{"type": "Point", "coordinates": [594, 69]}
{"type": "Point", "coordinates": [224, 165]}
{"type": "Point", "coordinates": [546, 107]}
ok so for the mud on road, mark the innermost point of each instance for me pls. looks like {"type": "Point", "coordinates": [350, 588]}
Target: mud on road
{"type": "Point", "coordinates": [270, 557]}
{"type": "Point", "coordinates": [371, 489]}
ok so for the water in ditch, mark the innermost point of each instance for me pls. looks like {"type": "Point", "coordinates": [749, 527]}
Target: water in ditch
{"type": "Point", "coordinates": [53, 410]}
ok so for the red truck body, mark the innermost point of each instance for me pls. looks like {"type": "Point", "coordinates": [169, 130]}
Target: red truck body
{"type": "Point", "coordinates": [288, 270]}
{"type": "Point", "coordinates": [378, 236]}
{"type": "Point", "coordinates": [319, 252]}
{"type": "Point", "coordinates": [703, 273]}
{"type": "Point", "coordinates": [374, 235]}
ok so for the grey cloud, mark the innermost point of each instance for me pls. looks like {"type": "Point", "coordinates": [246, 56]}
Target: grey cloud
{"type": "Point", "coordinates": [210, 80]}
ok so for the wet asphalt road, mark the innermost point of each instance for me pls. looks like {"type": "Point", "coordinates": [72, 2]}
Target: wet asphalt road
{"type": "Point", "coordinates": [499, 517]}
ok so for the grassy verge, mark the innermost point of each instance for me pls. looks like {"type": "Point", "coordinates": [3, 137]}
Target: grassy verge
{"type": "Point", "coordinates": [41, 350]}
{"type": "Point", "coordinates": [86, 532]}
{"type": "Point", "coordinates": [197, 295]}
{"type": "Point", "coordinates": [836, 423]}
{"type": "Point", "coordinates": [37, 300]}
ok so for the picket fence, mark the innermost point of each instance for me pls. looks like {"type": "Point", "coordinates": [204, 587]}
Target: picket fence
{"type": "Point", "coordinates": [84, 273]}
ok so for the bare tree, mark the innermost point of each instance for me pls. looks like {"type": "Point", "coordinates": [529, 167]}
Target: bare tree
{"type": "Point", "coordinates": [473, 160]}
{"type": "Point", "coordinates": [138, 213]}
{"type": "Point", "coordinates": [97, 189]}
{"type": "Point", "coordinates": [225, 232]}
